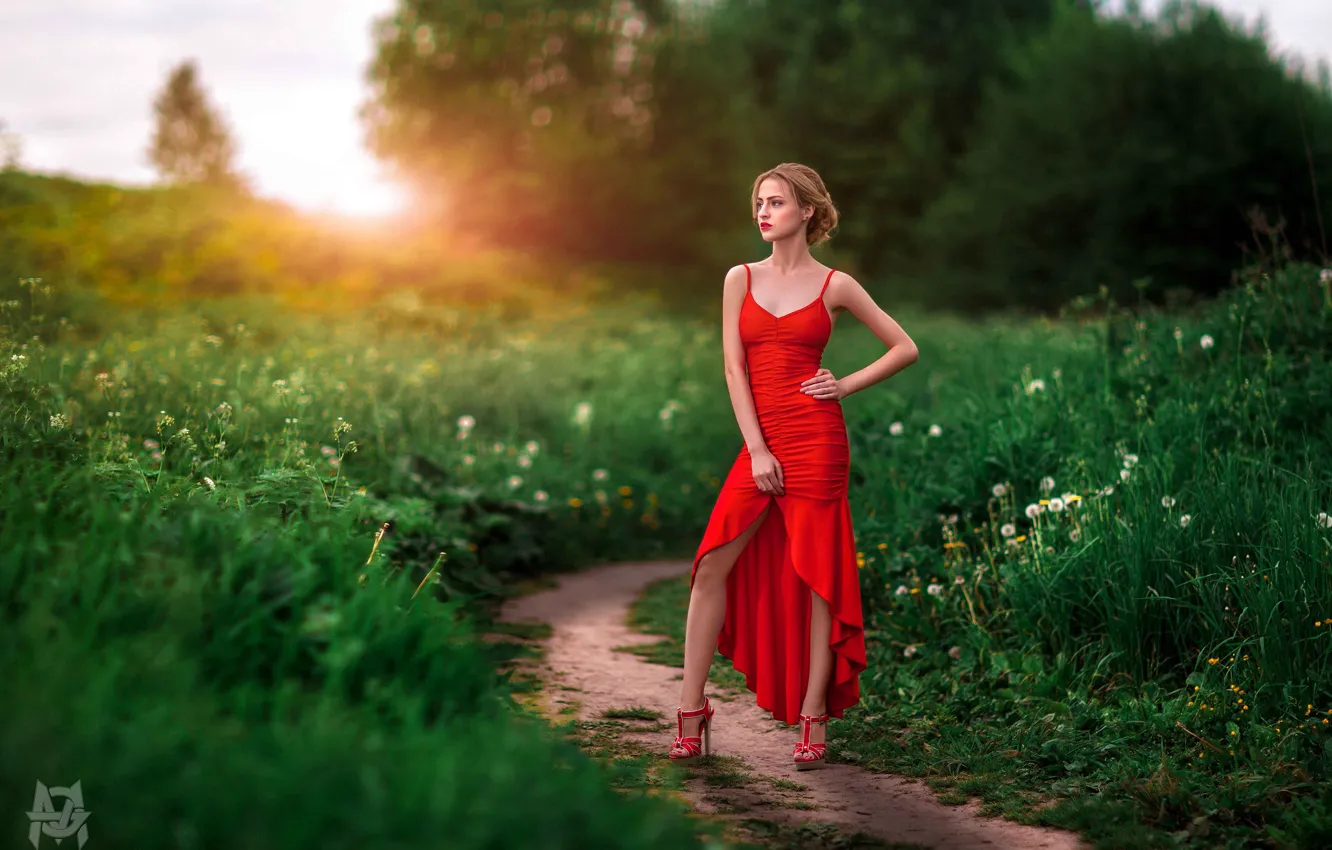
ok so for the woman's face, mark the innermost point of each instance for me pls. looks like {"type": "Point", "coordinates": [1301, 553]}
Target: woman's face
{"type": "Point", "coordinates": [776, 211]}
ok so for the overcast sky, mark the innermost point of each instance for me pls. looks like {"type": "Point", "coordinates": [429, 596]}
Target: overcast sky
{"type": "Point", "coordinates": [78, 77]}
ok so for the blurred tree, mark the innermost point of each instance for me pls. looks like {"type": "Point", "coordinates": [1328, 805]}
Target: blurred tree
{"type": "Point", "coordinates": [879, 97]}
{"type": "Point", "coordinates": [592, 128]}
{"type": "Point", "coordinates": [1128, 148]}
{"type": "Point", "coordinates": [191, 143]}
{"type": "Point", "coordinates": [11, 148]}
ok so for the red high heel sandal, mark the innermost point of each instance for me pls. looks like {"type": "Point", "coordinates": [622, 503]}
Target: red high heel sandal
{"type": "Point", "coordinates": [687, 750]}
{"type": "Point", "coordinates": [810, 756]}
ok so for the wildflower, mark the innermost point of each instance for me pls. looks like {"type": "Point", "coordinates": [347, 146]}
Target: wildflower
{"type": "Point", "coordinates": [1130, 460]}
{"type": "Point", "coordinates": [959, 580]}
{"type": "Point", "coordinates": [909, 651]}
{"type": "Point", "coordinates": [1167, 502]}
{"type": "Point", "coordinates": [1008, 529]}
{"type": "Point", "coordinates": [934, 589]}
{"type": "Point", "coordinates": [1036, 385]}
{"type": "Point", "coordinates": [582, 414]}
{"type": "Point", "coordinates": [157, 456]}
{"type": "Point", "coordinates": [895, 429]}
{"type": "Point", "coordinates": [1206, 342]}
{"type": "Point", "coordinates": [208, 482]}
{"type": "Point", "coordinates": [524, 461]}
{"type": "Point", "coordinates": [1047, 484]}
{"type": "Point", "coordinates": [468, 460]}
{"type": "Point", "coordinates": [600, 475]}
{"type": "Point", "coordinates": [532, 447]}
{"type": "Point", "coordinates": [497, 448]}
{"type": "Point", "coordinates": [1034, 510]}
{"type": "Point", "coordinates": [213, 340]}
{"type": "Point", "coordinates": [466, 423]}
{"type": "Point", "coordinates": [955, 652]}
{"type": "Point", "coordinates": [1185, 520]}
{"type": "Point", "coordinates": [901, 590]}
{"type": "Point", "coordinates": [1124, 474]}
{"type": "Point", "coordinates": [1324, 520]}
{"type": "Point", "coordinates": [1179, 333]}
{"type": "Point", "coordinates": [935, 431]}
{"type": "Point", "coordinates": [280, 386]}
{"type": "Point", "coordinates": [515, 481]}
{"type": "Point", "coordinates": [1325, 276]}
{"type": "Point", "coordinates": [575, 502]}
{"type": "Point", "coordinates": [1074, 535]}
{"type": "Point", "coordinates": [626, 490]}
{"type": "Point", "coordinates": [999, 490]}
{"type": "Point", "coordinates": [1056, 505]}
{"type": "Point", "coordinates": [103, 380]}
{"type": "Point", "coordinates": [541, 495]}
{"type": "Point", "coordinates": [151, 444]}
{"type": "Point", "coordinates": [327, 451]}
{"type": "Point", "coordinates": [59, 421]}
{"type": "Point", "coordinates": [1108, 491]}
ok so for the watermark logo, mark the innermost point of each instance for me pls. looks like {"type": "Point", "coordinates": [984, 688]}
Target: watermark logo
{"type": "Point", "coordinates": [46, 820]}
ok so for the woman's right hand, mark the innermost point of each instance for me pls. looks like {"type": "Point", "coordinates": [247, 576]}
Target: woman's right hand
{"type": "Point", "coordinates": [767, 472]}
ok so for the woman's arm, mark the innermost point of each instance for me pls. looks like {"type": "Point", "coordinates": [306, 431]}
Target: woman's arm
{"type": "Point", "coordinates": [902, 352]}
{"type": "Point", "coordinates": [733, 355]}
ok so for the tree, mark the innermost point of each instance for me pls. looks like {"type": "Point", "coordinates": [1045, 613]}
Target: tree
{"type": "Point", "coordinates": [191, 142]}
{"type": "Point", "coordinates": [10, 149]}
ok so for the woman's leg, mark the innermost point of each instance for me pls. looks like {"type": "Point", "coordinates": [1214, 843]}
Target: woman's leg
{"type": "Point", "coordinates": [820, 664]}
{"type": "Point", "coordinates": [707, 612]}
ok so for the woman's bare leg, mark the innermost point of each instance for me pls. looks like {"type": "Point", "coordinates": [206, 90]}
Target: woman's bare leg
{"type": "Point", "coordinates": [707, 613]}
{"type": "Point", "coordinates": [820, 665]}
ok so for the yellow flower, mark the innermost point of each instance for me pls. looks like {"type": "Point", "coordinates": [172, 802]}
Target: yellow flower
{"type": "Point", "coordinates": [575, 502]}
{"type": "Point", "coordinates": [1213, 660]}
{"type": "Point", "coordinates": [883, 546]}
{"type": "Point", "coordinates": [626, 490]}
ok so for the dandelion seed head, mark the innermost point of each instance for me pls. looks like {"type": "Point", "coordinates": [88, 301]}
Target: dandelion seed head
{"type": "Point", "coordinates": [1008, 529]}
{"type": "Point", "coordinates": [1206, 342]}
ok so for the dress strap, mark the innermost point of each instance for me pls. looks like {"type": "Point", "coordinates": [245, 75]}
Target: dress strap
{"type": "Point", "coordinates": [747, 277]}
{"type": "Point", "coordinates": [825, 282]}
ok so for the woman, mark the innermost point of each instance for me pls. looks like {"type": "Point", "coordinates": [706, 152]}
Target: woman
{"type": "Point", "coordinates": [777, 591]}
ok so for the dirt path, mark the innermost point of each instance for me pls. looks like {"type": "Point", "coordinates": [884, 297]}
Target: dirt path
{"type": "Point", "coordinates": [587, 612]}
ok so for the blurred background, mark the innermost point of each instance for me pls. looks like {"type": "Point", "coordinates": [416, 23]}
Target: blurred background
{"type": "Point", "coordinates": [327, 327]}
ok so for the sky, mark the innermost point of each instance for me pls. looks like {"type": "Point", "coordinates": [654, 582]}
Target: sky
{"type": "Point", "coordinates": [78, 78]}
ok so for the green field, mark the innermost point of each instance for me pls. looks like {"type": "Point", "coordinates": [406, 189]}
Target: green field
{"type": "Point", "coordinates": [206, 623]}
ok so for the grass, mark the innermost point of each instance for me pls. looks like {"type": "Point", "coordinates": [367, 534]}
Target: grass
{"type": "Point", "coordinates": [1094, 557]}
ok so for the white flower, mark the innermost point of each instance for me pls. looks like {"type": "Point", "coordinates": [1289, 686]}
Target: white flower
{"type": "Point", "coordinates": [1008, 529]}
{"type": "Point", "coordinates": [524, 461]}
{"type": "Point", "coordinates": [468, 460]}
{"type": "Point", "coordinates": [600, 475]}
{"type": "Point", "coordinates": [1184, 520]}
{"type": "Point", "coordinates": [532, 447]}
{"type": "Point", "coordinates": [935, 431]}
{"type": "Point", "coordinates": [1056, 505]}
{"type": "Point", "coordinates": [1047, 484]}
{"type": "Point", "coordinates": [582, 413]}
{"type": "Point", "coordinates": [955, 652]}
{"type": "Point", "coordinates": [1325, 276]}
{"type": "Point", "coordinates": [1074, 535]}
{"type": "Point", "coordinates": [952, 519]}
{"type": "Point", "coordinates": [1206, 341]}
{"type": "Point", "coordinates": [1034, 509]}
{"type": "Point", "coordinates": [1036, 385]}
{"type": "Point", "coordinates": [465, 423]}
{"type": "Point", "coordinates": [909, 651]}
{"type": "Point", "coordinates": [540, 495]}
{"type": "Point", "coordinates": [934, 589]}
{"type": "Point", "coordinates": [999, 490]}
{"type": "Point", "coordinates": [1124, 474]}
{"type": "Point", "coordinates": [515, 481]}
{"type": "Point", "coordinates": [895, 429]}
{"type": "Point", "coordinates": [1130, 461]}
{"type": "Point", "coordinates": [1324, 520]}
{"type": "Point", "coordinates": [901, 590]}
{"type": "Point", "coordinates": [1167, 502]}
{"type": "Point", "coordinates": [1108, 491]}
{"type": "Point", "coordinates": [959, 580]}
{"type": "Point", "coordinates": [497, 448]}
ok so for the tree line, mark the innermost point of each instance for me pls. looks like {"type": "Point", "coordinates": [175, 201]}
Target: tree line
{"type": "Point", "coordinates": [984, 153]}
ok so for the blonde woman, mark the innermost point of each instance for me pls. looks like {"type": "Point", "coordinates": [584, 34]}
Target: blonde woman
{"type": "Point", "coordinates": [778, 591]}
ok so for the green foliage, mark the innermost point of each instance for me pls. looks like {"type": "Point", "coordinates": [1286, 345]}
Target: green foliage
{"type": "Point", "coordinates": [592, 129]}
{"type": "Point", "coordinates": [1128, 148]}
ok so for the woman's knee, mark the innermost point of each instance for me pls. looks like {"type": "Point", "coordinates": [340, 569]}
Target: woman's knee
{"type": "Point", "coordinates": [713, 568]}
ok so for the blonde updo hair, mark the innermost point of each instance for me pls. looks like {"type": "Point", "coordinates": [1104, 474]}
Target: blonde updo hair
{"type": "Point", "coordinates": [808, 188]}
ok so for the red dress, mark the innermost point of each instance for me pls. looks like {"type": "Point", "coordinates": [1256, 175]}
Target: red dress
{"type": "Point", "coordinates": [807, 543]}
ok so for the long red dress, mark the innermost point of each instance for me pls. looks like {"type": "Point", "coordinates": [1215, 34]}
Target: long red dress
{"type": "Point", "coordinates": [807, 543]}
